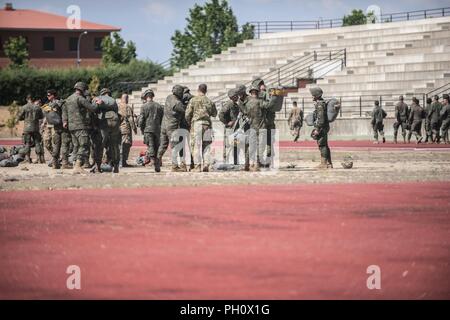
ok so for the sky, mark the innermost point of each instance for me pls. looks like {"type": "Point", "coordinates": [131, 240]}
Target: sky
{"type": "Point", "coordinates": [151, 23]}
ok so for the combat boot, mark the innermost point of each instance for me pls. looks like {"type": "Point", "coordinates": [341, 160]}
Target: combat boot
{"type": "Point", "coordinates": [384, 139]}
{"type": "Point", "coordinates": [77, 169]}
{"type": "Point", "coordinates": [160, 161]}
{"type": "Point", "coordinates": [254, 168]}
{"type": "Point", "coordinates": [65, 164]}
{"type": "Point", "coordinates": [41, 159]}
{"type": "Point", "coordinates": [28, 158]}
{"type": "Point", "coordinates": [395, 140]}
{"type": "Point", "coordinates": [157, 166]}
{"type": "Point", "coordinates": [183, 167]}
{"type": "Point", "coordinates": [116, 168]}
{"type": "Point", "coordinates": [404, 139]}
{"type": "Point", "coordinates": [175, 168]}
{"type": "Point", "coordinates": [206, 168]}
{"type": "Point", "coordinates": [55, 164]}
{"type": "Point", "coordinates": [323, 164]}
{"type": "Point", "coordinates": [125, 164]}
{"type": "Point", "coordinates": [419, 140]}
{"type": "Point", "coordinates": [197, 168]}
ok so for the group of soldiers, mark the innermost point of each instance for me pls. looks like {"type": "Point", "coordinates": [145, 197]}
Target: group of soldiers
{"type": "Point", "coordinates": [87, 127]}
{"type": "Point", "coordinates": [435, 116]}
{"type": "Point", "coordinates": [97, 128]}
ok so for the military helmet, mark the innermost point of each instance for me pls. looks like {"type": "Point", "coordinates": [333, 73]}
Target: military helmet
{"type": "Point", "coordinates": [178, 91]}
{"type": "Point", "coordinates": [233, 92]}
{"type": "Point", "coordinates": [186, 89]}
{"type": "Point", "coordinates": [257, 82]}
{"type": "Point", "coordinates": [348, 162]}
{"type": "Point", "coordinates": [148, 92]}
{"type": "Point", "coordinates": [241, 89]}
{"type": "Point", "coordinates": [105, 91]}
{"type": "Point", "coordinates": [445, 96]}
{"type": "Point", "coordinates": [253, 88]}
{"type": "Point", "coordinates": [400, 98]}
{"type": "Point", "coordinates": [80, 86]}
{"type": "Point", "coordinates": [51, 92]}
{"type": "Point", "coordinates": [316, 92]}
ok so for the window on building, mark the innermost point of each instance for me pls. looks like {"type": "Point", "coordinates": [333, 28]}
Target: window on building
{"type": "Point", "coordinates": [73, 44]}
{"type": "Point", "coordinates": [48, 44]}
{"type": "Point", "coordinates": [98, 44]}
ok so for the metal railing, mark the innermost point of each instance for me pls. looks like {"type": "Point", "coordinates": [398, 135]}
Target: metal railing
{"type": "Point", "coordinates": [261, 27]}
{"type": "Point", "coordinates": [442, 89]}
{"type": "Point", "coordinates": [313, 65]}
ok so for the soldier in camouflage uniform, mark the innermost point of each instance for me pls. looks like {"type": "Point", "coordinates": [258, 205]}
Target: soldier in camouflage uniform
{"type": "Point", "coordinates": [295, 121]}
{"type": "Point", "coordinates": [434, 117]}
{"type": "Point", "coordinates": [150, 124]}
{"type": "Point", "coordinates": [378, 115]}
{"type": "Point", "coordinates": [428, 130]}
{"type": "Point", "coordinates": [415, 118]}
{"type": "Point", "coordinates": [258, 111]}
{"type": "Point", "coordinates": [401, 116]}
{"type": "Point", "coordinates": [127, 127]}
{"type": "Point", "coordinates": [198, 116]}
{"type": "Point", "coordinates": [174, 113]}
{"type": "Point", "coordinates": [321, 128]}
{"type": "Point", "coordinates": [77, 118]}
{"type": "Point", "coordinates": [187, 96]}
{"type": "Point", "coordinates": [31, 114]}
{"type": "Point", "coordinates": [60, 138]}
{"type": "Point", "coordinates": [109, 121]}
{"type": "Point", "coordinates": [445, 118]}
{"type": "Point", "coordinates": [228, 115]}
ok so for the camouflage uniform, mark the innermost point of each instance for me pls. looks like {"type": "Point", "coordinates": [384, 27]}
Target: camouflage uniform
{"type": "Point", "coordinates": [59, 139]}
{"type": "Point", "coordinates": [415, 118]}
{"type": "Point", "coordinates": [198, 116]}
{"type": "Point", "coordinates": [401, 115]}
{"type": "Point", "coordinates": [258, 111]}
{"type": "Point", "coordinates": [150, 124]}
{"type": "Point", "coordinates": [434, 117]}
{"type": "Point", "coordinates": [321, 128]}
{"type": "Point", "coordinates": [127, 127]}
{"type": "Point", "coordinates": [378, 115]}
{"type": "Point", "coordinates": [428, 129]}
{"type": "Point", "coordinates": [445, 118]}
{"type": "Point", "coordinates": [78, 114]}
{"type": "Point", "coordinates": [228, 115]}
{"type": "Point", "coordinates": [295, 121]}
{"type": "Point", "coordinates": [31, 114]}
{"type": "Point", "coordinates": [109, 123]}
{"type": "Point", "coordinates": [174, 112]}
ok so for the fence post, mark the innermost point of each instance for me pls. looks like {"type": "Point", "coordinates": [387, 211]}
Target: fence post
{"type": "Point", "coordinates": [279, 77]}
{"type": "Point", "coordinates": [381, 101]}
{"type": "Point", "coordinates": [443, 12]}
{"type": "Point", "coordinates": [285, 108]}
{"type": "Point", "coordinates": [259, 30]}
{"type": "Point", "coordinates": [266, 26]}
{"type": "Point", "coordinates": [345, 57]}
{"type": "Point", "coordinates": [340, 110]}
{"type": "Point", "coordinates": [303, 104]}
{"type": "Point", "coordinates": [407, 16]}
{"type": "Point", "coordinates": [360, 107]}
{"type": "Point", "coordinates": [292, 27]}
{"type": "Point", "coordinates": [424, 14]}
{"type": "Point", "coordinates": [315, 55]}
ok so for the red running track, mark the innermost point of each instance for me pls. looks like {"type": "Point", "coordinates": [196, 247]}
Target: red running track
{"type": "Point", "coordinates": [224, 242]}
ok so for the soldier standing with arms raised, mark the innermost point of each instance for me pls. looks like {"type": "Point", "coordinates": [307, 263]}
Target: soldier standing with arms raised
{"type": "Point", "coordinates": [321, 128]}
{"type": "Point", "coordinates": [150, 124]}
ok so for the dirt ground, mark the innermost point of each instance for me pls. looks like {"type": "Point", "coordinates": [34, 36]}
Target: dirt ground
{"type": "Point", "coordinates": [297, 165]}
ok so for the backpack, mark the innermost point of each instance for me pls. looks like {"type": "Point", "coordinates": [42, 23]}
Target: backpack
{"type": "Point", "coordinates": [333, 109]}
{"type": "Point", "coordinates": [53, 118]}
{"type": "Point", "coordinates": [112, 116]}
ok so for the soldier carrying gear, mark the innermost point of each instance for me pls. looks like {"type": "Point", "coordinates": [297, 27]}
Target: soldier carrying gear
{"type": "Point", "coordinates": [321, 128]}
{"type": "Point", "coordinates": [378, 115]}
{"type": "Point", "coordinates": [174, 113]}
{"type": "Point", "coordinates": [401, 116]}
{"type": "Point", "coordinates": [150, 124]}
{"type": "Point", "coordinates": [31, 113]}
{"type": "Point", "coordinates": [228, 115]}
{"type": "Point", "coordinates": [109, 123]}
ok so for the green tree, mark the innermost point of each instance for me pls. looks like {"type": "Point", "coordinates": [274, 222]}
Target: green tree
{"type": "Point", "coordinates": [357, 17]}
{"type": "Point", "coordinates": [211, 29]}
{"type": "Point", "coordinates": [116, 51]}
{"type": "Point", "coordinates": [16, 50]}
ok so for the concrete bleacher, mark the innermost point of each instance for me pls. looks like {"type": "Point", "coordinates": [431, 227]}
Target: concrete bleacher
{"type": "Point", "coordinates": [408, 57]}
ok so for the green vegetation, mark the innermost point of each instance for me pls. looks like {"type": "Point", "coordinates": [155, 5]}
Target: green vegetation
{"type": "Point", "coordinates": [16, 51]}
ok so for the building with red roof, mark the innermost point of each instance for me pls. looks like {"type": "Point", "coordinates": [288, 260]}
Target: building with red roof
{"type": "Point", "coordinates": [52, 43]}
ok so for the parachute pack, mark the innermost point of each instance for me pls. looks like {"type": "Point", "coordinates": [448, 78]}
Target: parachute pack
{"type": "Point", "coordinates": [333, 109]}
{"type": "Point", "coordinates": [111, 117]}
